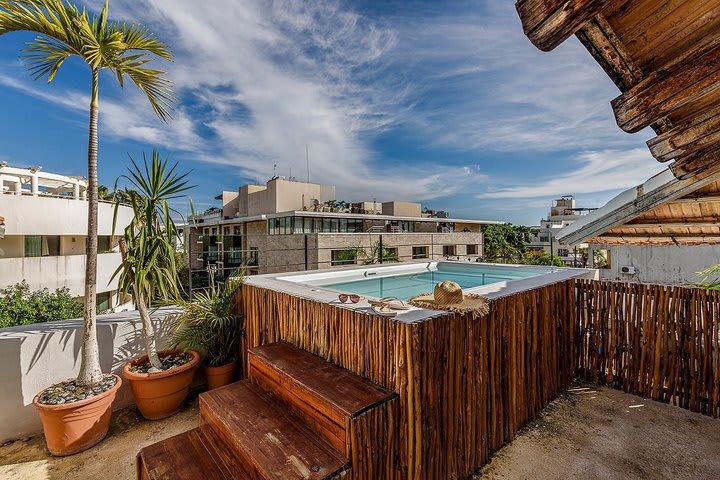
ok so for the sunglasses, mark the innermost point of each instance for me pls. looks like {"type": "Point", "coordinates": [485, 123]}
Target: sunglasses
{"type": "Point", "coordinates": [344, 297]}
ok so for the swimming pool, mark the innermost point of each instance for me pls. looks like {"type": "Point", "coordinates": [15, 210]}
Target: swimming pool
{"type": "Point", "coordinates": [407, 285]}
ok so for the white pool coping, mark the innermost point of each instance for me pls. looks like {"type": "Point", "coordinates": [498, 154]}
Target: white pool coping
{"type": "Point", "coordinates": [300, 284]}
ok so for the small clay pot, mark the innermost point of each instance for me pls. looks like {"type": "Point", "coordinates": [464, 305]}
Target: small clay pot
{"type": "Point", "coordinates": [160, 395]}
{"type": "Point", "coordinates": [219, 376]}
{"type": "Point", "coordinates": [73, 427]}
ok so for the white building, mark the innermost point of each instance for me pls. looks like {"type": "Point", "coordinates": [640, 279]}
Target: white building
{"type": "Point", "coordinates": [45, 228]}
{"type": "Point", "coordinates": [563, 212]}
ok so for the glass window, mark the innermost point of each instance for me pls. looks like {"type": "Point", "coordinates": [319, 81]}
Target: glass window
{"type": "Point", "coordinates": [298, 225]}
{"type": "Point", "coordinates": [343, 257]}
{"type": "Point", "coordinates": [335, 225]}
{"type": "Point", "coordinates": [420, 252]}
{"type": "Point", "coordinates": [237, 230]}
{"type": "Point", "coordinates": [326, 225]}
{"type": "Point", "coordinates": [226, 231]}
{"type": "Point", "coordinates": [471, 249]}
{"type": "Point", "coordinates": [33, 245]}
{"type": "Point", "coordinates": [308, 225]}
{"type": "Point", "coordinates": [317, 225]}
{"type": "Point", "coordinates": [448, 250]}
{"type": "Point", "coordinates": [343, 225]}
{"type": "Point", "coordinates": [103, 244]}
{"type": "Point", "coordinates": [103, 301]}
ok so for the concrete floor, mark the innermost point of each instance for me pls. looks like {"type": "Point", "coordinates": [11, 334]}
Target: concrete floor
{"type": "Point", "coordinates": [588, 433]}
{"type": "Point", "coordinates": [597, 433]}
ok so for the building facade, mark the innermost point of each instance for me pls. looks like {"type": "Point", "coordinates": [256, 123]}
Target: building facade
{"type": "Point", "coordinates": [292, 226]}
{"type": "Point", "coordinates": [45, 230]}
{"type": "Point", "coordinates": [563, 212]}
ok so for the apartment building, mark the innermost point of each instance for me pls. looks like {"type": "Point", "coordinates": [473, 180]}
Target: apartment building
{"type": "Point", "coordinates": [290, 226]}
{"type": "Point", "coordinates": [45, 228]}
{"type": "Point", "coordinates": [563, 212]}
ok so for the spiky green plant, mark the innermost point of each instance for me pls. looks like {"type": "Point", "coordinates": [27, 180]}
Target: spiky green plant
{"type": "Point", "coordinates": [711, 278]}
{"type": "Point", "coordinates": [148, 270]}
{"type": "Point", "coordinates": [209, 324]}
{"type": "Point", "coordinates": [64, 31]}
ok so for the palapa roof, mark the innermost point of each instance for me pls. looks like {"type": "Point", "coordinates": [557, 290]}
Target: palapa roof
{"type": "Point", "coordinates": [664, 56]}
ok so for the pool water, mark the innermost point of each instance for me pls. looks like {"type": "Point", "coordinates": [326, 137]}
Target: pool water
{"type": "Point", "coordinates": [405, 286]}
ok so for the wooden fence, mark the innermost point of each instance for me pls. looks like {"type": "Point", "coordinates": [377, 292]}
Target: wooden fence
{"type": "Point", "coordinates": [658, 342]}
{"type": "Point", "coordinates": [465, 385]}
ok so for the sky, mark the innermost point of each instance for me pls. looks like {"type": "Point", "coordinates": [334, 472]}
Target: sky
{"type": "Point", "coordinates": [442, 102]}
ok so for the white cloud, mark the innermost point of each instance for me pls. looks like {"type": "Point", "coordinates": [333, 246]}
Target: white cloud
{"type": "Point", "coordinates": [599, 171]}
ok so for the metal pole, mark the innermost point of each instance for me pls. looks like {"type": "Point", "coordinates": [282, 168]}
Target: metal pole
{"type": "Point", "coordinates": [380, 248]}
{"type": "Point", "coordinates": [306, 252]}
{"type": "Point", "coordinates": [189, 259]}
{"type": "Point", "coordinates": [552, 258]}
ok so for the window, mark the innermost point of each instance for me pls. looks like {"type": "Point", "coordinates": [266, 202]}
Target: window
{"type": "Point", "coordinates": [214, 230]}
{"type": "Point", "coordinates": [343, 257]}
{"type": "Point", "coordinates": [254, 258]}
{"type": "Point", "coordinates": [420, 252]}
{"type": "Point", "coordinates": [390, 254]}
{"type": "Point", "coordinates": [104, 244]}
{"type": "Point", "coordinates": [601, 258]}
{"type": "Point", "coordinates": [103, 301]}
{"type": "Point", "coordinates": [448, 250]}
{"type": "Point", "coordinates": [226, 231]}
{"type": "Point", "coordinates": [563, 252]}
{"type": "Point", "coordinates": [237, 230]}
{"type": "Point", "coordinates": [234, 256]}
{"type": "Point", "coordinates": [33, 245]}
{"type": "Point", "coordinates": [544, 237]}
{"type": "Point", "coordinates": [471, 249]}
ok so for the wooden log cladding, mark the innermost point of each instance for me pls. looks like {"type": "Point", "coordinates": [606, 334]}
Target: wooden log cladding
{"type": "Point", "coordinates": [660, 342]}
{"type": "Point", "coordinates": [548, 23]}
{"type": "Point", "coordinates": [465, 386]}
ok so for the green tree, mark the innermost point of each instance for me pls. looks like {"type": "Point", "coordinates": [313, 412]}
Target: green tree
{"type": "Point", "coordinates": [541, 257]}
{"type": "Point", "coordinates": [148, 270]}
{"type": "Point", "coordinates": [20, 306]}
{"type": "Point", "coordinates": [506, 243]}
{"type": "Point", "coordinates": [65, 31]}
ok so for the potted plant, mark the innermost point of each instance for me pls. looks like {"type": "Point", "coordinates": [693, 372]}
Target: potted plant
{"type": "Point", "coordinates": [160, 381]}
{"type": "Point", "coordinates": [76, 413]}
{"type": "Point", "coordinates": [209, 324]}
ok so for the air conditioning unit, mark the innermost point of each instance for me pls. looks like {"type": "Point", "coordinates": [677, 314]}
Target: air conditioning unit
{"type": "Point", "coordinates": [628, 270]}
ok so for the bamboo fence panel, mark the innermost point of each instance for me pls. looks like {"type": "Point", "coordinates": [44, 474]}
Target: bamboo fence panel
{"type": "Point", "coordinates": [465, 385]}
{"type": "Point", "coordinates": [658, 342]}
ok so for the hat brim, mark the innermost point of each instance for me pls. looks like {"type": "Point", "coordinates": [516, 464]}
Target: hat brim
{"type": "Point", "coordinates": [475, 304]}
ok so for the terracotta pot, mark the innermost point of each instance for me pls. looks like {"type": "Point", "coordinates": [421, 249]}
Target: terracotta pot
{"type": "Point", "coordinates": [219, 376]}
{"type": "Point", "coordinates": [73, 427]}
{"type": "Point", "coordinates": [159, 395]}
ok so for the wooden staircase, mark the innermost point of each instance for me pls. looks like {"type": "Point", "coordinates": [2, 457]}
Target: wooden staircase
{"type": "Point", "coordinates": [293, 418]}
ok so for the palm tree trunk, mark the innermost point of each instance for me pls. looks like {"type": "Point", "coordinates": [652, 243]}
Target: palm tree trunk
{"type": "Point", "coordinates": [90, 371]}
{"type": "Point", "coordinates": [148, 329]}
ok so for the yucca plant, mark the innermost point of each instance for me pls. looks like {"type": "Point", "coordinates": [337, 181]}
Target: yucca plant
{"type": "Point", "coordinates": [148, 271]}
{"type": "Point", "coordinates": [208, 323]}
{"type": "Point", "coordinates": [711, 278]}
{"type": "Point", "coordinates": [65, 31]}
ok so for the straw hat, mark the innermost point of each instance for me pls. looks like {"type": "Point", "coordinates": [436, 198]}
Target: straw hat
{"type": "Point", "coordinates": [449, 296]}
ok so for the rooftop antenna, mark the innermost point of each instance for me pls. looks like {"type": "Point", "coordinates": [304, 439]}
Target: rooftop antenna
{"type": "Point", "coordinates": [307, 162]}
{"type": "Point", "coordinates": [275, 170]}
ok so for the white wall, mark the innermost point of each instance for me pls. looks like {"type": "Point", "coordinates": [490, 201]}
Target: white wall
{"type": "Point", "coordinates": [659, 264]}
{"type": "Point", "coordinates": [33, 357]}
{"type": "Point", "coordinates": [26, 215]}
{"type": "Point", "coordinates": [57, 272]}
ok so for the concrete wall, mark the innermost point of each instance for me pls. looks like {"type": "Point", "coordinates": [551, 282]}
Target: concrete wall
{"type": "Point", "coordinates": [401, 209]}
{"type": "Point", "coordinates": [660, 264]}
{"type": "Point", "coordinates": [72, 245]}
{"type": "Point", "coordinates": [56, 272]}
{"type": "Point", "coordinates": [33, 357]}
{"type": "Point", "coordinates": [56, 216]}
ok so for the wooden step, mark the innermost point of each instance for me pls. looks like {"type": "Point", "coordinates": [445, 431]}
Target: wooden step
{"type": "Point", "coordinates": [259, 432]}
{"type": "Point", "coordinates": [325, 396]}
{"type": "Point", "coordinates": [187, 456]}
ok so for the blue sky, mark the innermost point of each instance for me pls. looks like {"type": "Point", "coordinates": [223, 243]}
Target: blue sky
{"type": "Point", "coordinates": [442, 102]}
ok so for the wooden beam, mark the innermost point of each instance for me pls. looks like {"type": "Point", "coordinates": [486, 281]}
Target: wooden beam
{"type": "Point", "coordinates": [600, 222]}
{"type": "Point", "coordinates": [656, 239]}
{"type": "Point", "coordinates": [695, 163]}
{"type": "Point", "coordinates": [604, 45]}
{"type": "Point", "coordinates": [688, 137]}
{"type": "Point", "coordinates": [695, 73]}
{"type": "Point", "coordinates": [548, 23]}
{"type": "Point", "coordinates": [673, 224]}
{"type": "Point", "coordinates": [692, 199]}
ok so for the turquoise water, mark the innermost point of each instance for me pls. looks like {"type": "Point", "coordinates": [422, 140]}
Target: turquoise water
{"type": "Point", "coordinates": [408, 285]}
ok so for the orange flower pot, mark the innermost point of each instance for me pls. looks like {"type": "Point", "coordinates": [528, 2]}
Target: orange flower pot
{"type": "Point", "coordinates": [73, 427]}
{"type": "Point", "coordinates": [159, 395]}
{"type": "Point", "coordinates": [219, 376]}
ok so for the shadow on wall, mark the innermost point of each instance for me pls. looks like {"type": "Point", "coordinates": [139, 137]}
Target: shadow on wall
{"type": "Point", "coordinates": [33, 357]}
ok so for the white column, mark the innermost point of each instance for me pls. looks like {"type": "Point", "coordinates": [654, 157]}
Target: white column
{"type": "Point", "coordinates": [18, 188]}
{"type": "Point", "coordinates": [76, 191]}
{"type": "Point", "coordinates": [34, 185]}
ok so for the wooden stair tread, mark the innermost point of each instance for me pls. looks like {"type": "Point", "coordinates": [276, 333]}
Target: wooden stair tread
{"type": "Point", "coordinates": [349, 393]}
{"type": "Point", "coordinates": [270, 441]}
{"type": "Point", "coordinates": [184, 456]}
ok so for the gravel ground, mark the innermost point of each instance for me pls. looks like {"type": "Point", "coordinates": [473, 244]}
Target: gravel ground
{"type": "Point", "coordinates": [598, 433]}
{"type": "Point", "coordinates": [589, 433]}
{"type": "Point", "coordinates": [113, 458]}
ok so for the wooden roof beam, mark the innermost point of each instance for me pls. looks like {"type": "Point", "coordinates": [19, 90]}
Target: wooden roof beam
{"type": "Point", "coordinates": [694, 199]}
{"type": "Point", "coordinates": [695, 73]}
{"type": "Point", "coordinates": [655, 239]}
{"type": "Point", "coordinates": [688, 137]}
{"type": "Point", "coordinates": [548, 23]}
{"type": "Point", "coordinates": [674, 223]}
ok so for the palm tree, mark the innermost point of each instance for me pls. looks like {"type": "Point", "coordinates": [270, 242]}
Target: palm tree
{"type": "Point", "coordinates": [64, 31]}
{"type": "Point", "coordinates": [148, 270]}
